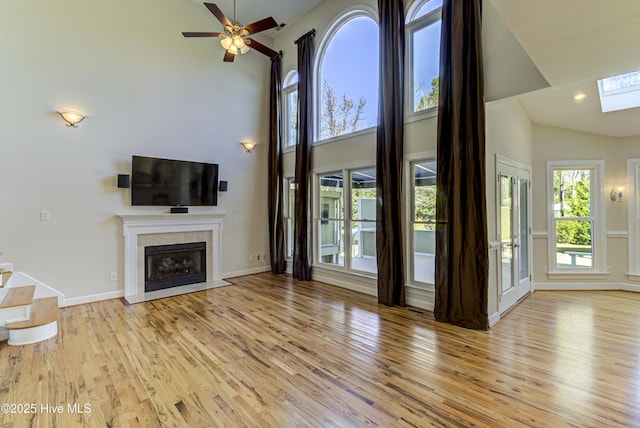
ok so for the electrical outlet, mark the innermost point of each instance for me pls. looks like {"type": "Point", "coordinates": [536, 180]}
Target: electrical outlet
{"type": "Point", "coordinates": [258, 257]}
{"type": "Point", "coordinates": [114, 276]}
{"type": "Point", "coordinates": [44, 215]}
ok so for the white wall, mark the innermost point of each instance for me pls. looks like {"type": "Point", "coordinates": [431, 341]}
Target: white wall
{"type": "Point", "coordinates": [508, 133]}
{"type": "Point", "coordinates": [146, 90]}
{"type": "Point", "coordinates": [560, 144]}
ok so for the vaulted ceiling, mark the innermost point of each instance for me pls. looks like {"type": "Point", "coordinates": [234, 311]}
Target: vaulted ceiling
{"type": "Point", "coordinates": [549, 49]}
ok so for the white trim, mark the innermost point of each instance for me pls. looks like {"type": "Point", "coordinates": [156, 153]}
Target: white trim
{"type": "Point", "coordinates": [578, 275]}
{"type": "Point", "coordinates": [419, 297]}
{"type": "Point", "coordinates": [516, 172]}
{"type": "Point", "coordinates": [27, 336]}
{"type": "Point", "coordinates": [413, 25]}
{"type": "Point", "coordinates": [408, 200]}
{"type": "Point", "coordinates": [348, 280]}
{"type": "Point", "coordinates": [352, 166]}
{"type": "Point", "coordinates": [587, 286]}
{"type": "Point", "coordinates": [244, 272]}
{"type": "Point", "coordinates": [633, 217]}
{"type": "Point", "coordinates": [513, 163]}
{"type": "Point", "coordinates": [597, 216]}
{"type": "Point", "coordinates": [342, 18]}
{"type": "Point", "coordinates": [416, 116]}
{"type": "Point", "coordinates": [494, 319]}
{"type": "Point", "coordinates": [359, 132]}
{"type": "Point", "coordinates": [540, 234]}
{"type": "Point", "coordinates": [287, 89]}
{"type": "Point", "coordinates": [617, 234]}
{"type": "Point", "coordinates": [90, 298]}
{"type": "Point", "coordinates": [135, 225]}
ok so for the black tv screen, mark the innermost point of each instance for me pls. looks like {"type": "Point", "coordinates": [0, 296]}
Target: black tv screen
{"type": "Point", "coordinates": [169, 182]}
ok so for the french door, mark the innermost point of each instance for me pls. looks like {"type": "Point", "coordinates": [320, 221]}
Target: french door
{"type": "Point", "coordinates": [514, 233]}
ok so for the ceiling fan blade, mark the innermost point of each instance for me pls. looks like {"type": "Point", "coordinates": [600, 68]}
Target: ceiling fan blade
{"type": "Point", "coordinates": [218, 14]}
{"type": "Point", "coordinates": [192, 34]}
{"type": "Point", "coordinates": [228, 56]}
{"type": "Point", "coordinates": [262, 48]}
{"type": "Point", "coordinates": [263, 24]}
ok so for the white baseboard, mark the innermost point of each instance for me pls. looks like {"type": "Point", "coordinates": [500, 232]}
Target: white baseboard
{"type": "Point", "coordinates": [587, 286]}
{"type": "Point", "coordinates": [493, 319]}
{"type": "Point", "coordinates": [349, 281]}
{"type": "Point", "coordinates": [246, 272]}
{"type": "Point", "coordinates": [73, 301]}
{"type": "Point", "coordinates": [419, 298]}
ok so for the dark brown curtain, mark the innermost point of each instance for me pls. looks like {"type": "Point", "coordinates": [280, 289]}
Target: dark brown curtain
{"type": "Point", "coordinates": [301, 235]}
{"type": "Point", "coordinates": [276, 215]}
{"type": "Point", "coordinates": [462, 254]}
{"type": "Point", "coordinates": [390, 142]}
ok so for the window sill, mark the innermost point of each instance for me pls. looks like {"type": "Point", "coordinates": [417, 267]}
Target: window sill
{"type": "Point", "coordinates": [364, 131]}
{"type": "Point", "coordinates": [633, 276]}
{"type": "Point", "coordinates": [578, 275]}
{"type": "Point", "coordinates": [421, 115]}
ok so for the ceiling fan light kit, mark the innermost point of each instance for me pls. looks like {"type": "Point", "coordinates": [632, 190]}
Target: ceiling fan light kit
{"type": "Point", "coordinates": [235, 38]}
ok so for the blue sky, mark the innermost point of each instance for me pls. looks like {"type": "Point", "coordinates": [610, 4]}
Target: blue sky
{"type": "Point", "coordinates": [355, 47]}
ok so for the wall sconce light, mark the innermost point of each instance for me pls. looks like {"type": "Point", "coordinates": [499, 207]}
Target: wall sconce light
{"type": "Point", "coordinates": [616, 194]}
{"type": "Point", "coordinates": [72, 119]}
{"type": "Point", "coordinates": [248, 146]}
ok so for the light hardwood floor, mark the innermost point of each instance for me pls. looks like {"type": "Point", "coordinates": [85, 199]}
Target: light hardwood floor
{"type": "Point", "coordinates": [270, 351]}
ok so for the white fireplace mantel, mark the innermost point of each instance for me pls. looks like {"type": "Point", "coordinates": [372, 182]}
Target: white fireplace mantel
{"type": "Point", "coordinates": [135, 226]}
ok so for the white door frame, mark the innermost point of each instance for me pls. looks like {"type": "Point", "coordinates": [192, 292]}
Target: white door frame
{"type": "Point", "coordinates": [521, 287]}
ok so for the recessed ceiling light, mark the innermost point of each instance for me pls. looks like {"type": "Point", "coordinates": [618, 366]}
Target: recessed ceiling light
{"type": "Point", "coordinates": [580, 96]}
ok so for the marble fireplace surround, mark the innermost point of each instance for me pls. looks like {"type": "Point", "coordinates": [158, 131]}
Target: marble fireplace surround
{"type": "Point", "coordinates": [141, 230]}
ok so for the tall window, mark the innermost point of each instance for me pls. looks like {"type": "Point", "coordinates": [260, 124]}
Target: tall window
{"type": "Point", "coordinates": [290, 108]}
{"type": "Point", "coordinates": [423, 44]}
{"type": "Point", "coordinates": [577, 241]}
{"type": "Point", "coordinates": [348, 100]}
{"type": "Point", "coordinates": [290, 214]}
{"type": "Point", "coordinates": [346, 232]}
{"type": "Point", "coordinates": [331, 224]}
{"type": "Point", "coordinates": [423, 220]}
{"type": "Point", "coordinates": [362, 224]}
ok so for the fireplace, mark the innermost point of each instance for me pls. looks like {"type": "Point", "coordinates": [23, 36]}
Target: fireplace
{"type": "Point", "coordinates": [160, 230]}
{"type": "Point", "coordinates": [167, 266]}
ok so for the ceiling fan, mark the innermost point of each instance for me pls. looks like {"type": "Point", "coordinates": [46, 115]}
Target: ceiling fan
{"type": "Point", "coordinates": [235, 37]}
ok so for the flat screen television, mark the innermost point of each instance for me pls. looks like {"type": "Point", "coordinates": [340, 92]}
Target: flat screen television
{"type": "Point", "coordinates": [168, 182]}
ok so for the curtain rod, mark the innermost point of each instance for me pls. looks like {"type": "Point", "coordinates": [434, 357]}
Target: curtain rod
{"type": "Point", "coordinates": [312, 33]}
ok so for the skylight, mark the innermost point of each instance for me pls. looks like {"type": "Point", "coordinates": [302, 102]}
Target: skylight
{"type": "Point", "coordinates": [620, 92]}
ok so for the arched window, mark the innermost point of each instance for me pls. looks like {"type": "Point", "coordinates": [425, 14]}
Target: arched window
{"type": "Point", "coordinates": [423, 45]}
{"type": "Point", "coordinates": [290, 109]}
{"type": "Point", "coordinates": [347, 75]}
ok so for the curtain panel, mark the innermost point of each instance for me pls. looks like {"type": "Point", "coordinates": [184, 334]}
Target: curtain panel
{"type": "Point", "coordinates": [302, 238]}
{"type": "Point", "coordinates": [462, 254]}
{"type": "Point", "coordinates": [275, 181]}
{"type": "Point", "coordinates": [389, 154]}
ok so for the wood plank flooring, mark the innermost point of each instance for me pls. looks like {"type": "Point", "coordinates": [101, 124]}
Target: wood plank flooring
{"type": "Point", "coordinates": [271, 351]}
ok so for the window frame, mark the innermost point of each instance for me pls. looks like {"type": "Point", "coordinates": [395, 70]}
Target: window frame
{"type": "Point", "coordinates": [413, 25]}
{"type": "Point", "coordinates": [632, 195]}
{"type": "Point", "coordinates": [322, 220]}
{"type": "Point", "coordinates": [289, 86]}
{"type": "Point", "coordinates": [410, 203]}
{"type": "Point", "coordinates": [347, 220]}
{"type": "Point", "coordinates": [597, 216]}
{"type": "Point", "coordinates": [289, 215]}
{"type": "Point", "coordinates": [358, 11]}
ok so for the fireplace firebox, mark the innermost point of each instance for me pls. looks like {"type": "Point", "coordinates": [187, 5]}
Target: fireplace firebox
{"type": "Point", "coordinates": [168, 266]}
